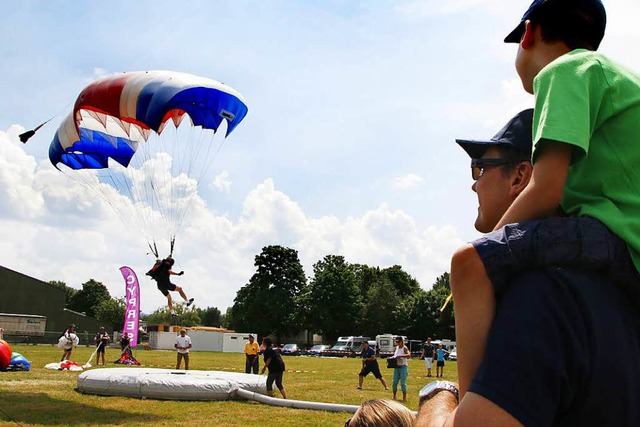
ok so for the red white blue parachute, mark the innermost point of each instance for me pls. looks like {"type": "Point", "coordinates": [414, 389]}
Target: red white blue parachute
{"type": "Point", "coordinates": [127, 136]}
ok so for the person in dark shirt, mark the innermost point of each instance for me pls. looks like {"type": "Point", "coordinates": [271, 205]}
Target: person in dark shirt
{"type": "Point", "coordinates": [548, 360]}
{"type": "Point", "coordinates": [369, 364]}
{"type": "Point", "coordinates": [273, 361]}
{"type": "Point", "coordinates": [427, 353]}
{"type": "Point", "coordinates": [161, 272]}
{"type": "Point", "coordinates": [102, 340]}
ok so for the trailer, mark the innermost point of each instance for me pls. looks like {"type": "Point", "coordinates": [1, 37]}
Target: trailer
{"type": "Point", "coordinates": [387, 344]}
{"type": "Point", "coordinates": [25, 325]}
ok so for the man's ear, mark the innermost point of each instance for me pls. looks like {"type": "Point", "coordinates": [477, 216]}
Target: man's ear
{"type": "Point", "coordinates": [521, 177]}
{"type": "Point", "coordinates": [528, 36]}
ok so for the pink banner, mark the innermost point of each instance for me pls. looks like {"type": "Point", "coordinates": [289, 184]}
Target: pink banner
{"type": "Point", "coordinates": [132, 315]}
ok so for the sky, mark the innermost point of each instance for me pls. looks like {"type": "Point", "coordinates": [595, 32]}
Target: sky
{"type": "Point", "coordinates": [348, 147]}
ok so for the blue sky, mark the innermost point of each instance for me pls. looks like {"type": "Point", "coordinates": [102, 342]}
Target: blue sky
{"type": "Point", "coordinates": [348, 147]}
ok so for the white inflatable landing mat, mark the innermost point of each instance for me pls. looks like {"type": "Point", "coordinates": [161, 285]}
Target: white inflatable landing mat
{"type": "Point", "coordinates": [168, 384]}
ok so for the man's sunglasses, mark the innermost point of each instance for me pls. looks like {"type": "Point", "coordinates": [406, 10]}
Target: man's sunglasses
{"type": "Point", "coordinates": [479, 165]}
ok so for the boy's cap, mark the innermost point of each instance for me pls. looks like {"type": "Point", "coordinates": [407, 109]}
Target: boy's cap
{"type": "Point", "coordinates": [516, 133]}
{"type": "Point", "coordinates": [584, 15]}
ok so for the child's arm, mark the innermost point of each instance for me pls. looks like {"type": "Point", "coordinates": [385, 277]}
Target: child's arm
{"type": "Point", "coordinates": [542, 196]}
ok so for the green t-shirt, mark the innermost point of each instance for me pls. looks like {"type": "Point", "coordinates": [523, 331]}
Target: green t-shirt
{"type": "Point", "coordinates": [586, 100]}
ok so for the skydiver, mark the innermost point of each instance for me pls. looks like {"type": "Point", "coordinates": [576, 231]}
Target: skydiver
{"type": "Point", "coordinates": [160, 272]}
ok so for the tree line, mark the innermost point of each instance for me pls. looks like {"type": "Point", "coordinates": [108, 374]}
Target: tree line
{"type": "Point", "coordinates": [338, 299]}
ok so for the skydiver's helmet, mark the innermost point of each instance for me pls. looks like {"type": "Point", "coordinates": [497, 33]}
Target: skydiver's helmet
{"type": "Point", "coordinates": [171, 261]}
{"type": "Point", "coordinates": [72, 326]}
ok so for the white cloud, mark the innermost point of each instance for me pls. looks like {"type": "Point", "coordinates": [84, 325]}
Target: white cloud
{"type": "Point", "coordinates": [57, 230]}
{"type": "Point", "coordinates": [408, 181]}
{"type": "Point", "coordinates": [221, 182]}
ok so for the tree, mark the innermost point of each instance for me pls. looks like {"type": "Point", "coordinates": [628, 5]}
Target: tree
{"type": "Point", "coordinates": [227, 319]}
{"type": "Point", "coordinates": [365, 277]}
{"type": "Point", "coordinates": [111, 312]}
{"type": "Point", "coordinates": [210, 316]}
{"type": "Point", "coordinates": [268, 303]}
{"type": "Point", "coordinates": [419, 316]}
{"type": "Point", "coordinates": [332, 302]}
{"type": "Point", "coordinates": [87, 299]}
{"type": "Point", "coordinates": [162, 316]}
{"type": "Point", "coordinates": [379, 306]}
{"type": "Point", "coordinates": [401, 281]}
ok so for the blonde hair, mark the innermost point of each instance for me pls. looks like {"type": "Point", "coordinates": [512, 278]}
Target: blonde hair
{"type": "Point", "coordinates": [382, 413]}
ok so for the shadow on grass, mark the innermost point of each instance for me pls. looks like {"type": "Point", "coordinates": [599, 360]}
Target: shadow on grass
{"type": "Point", "coordinates": [40, 408]}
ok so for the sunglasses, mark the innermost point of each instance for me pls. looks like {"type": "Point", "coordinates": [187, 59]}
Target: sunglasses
{"type": "Point", "coordinates": [479, 165]}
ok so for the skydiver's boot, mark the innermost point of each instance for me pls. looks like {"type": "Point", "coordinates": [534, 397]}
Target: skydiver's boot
{"type": "Point", "coordinates": [190, 302]}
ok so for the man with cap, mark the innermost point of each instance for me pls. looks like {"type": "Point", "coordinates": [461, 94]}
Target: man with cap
{"type": "Point", "coordinates": [251, 352]}
{"type": "Point", "coordinates": [545, 363]}
{"type": "Point", "coordinates": [584, 185]}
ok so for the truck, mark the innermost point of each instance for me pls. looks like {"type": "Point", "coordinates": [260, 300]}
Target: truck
{"type": "Point", "coordinates": [386, 344]}
{"type": "Point", "coordinates": [29, 325]}
{"type": "Point", "coordinates": [348, 346]}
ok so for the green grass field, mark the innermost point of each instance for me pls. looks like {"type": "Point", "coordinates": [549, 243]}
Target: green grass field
{"type": "Point", "coordinates": [43, 397]}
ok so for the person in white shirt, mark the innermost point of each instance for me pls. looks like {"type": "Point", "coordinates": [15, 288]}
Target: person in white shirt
{"type": "Point", "coordinates": [401, 371]}
{"type": "Point", "coordinates": [183, 344]}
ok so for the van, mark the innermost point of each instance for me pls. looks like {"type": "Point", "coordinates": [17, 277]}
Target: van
{"type": "Point", "coordinates": [349, 346]}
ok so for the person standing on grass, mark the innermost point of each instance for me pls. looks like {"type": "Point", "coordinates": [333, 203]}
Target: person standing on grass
{"type": "Point", "coordinates": [401, 371]}
{"type": "Point", "coordinates": [251, 351]}
{"type": "Point", "coordinates": [273, 361]}
{"type": "Point", "coordinates": [102, 340]}
{"type": "Point", "coordinates": [71, 340]}
{"type": "Point", "coordinates": [183, 344]}
{"type": "Point", "coordinates": [440, 352]}
{"type": "Point", "coordinates": [369, 364]}
{"type": "Point", "coordinates": [427, 354]}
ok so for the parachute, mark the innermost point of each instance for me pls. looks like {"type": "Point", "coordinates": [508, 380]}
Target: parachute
{"type": "Point", "coordinates": [127, 140]}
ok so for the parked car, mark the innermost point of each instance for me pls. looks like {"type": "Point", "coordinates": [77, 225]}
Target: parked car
{"type": "Point", "coordinates": [317, 350]}
{"type": "Point", "coordinates": [290, 350]}
{"type": "Point", "coordinates": [453, 354]}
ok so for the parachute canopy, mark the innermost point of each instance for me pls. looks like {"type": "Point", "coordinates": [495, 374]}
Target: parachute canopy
{"type": "Point", "coordinates": [127, 136]}
{"type": "Point", "coordinates": [144, 100]}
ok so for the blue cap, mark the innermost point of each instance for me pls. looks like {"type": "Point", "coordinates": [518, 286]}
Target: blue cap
{"type": "Point", "coordinates": [584, 18]}
{"type": "Point", "coordinates": [516, 134]}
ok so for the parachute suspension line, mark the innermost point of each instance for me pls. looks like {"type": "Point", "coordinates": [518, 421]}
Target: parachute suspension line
{"type": "Point", "coordinates": [173, 241]}
{"type": "Point", "coordinates": [24, 137]}
{"type": "Point", "coordinates": [154, 249]}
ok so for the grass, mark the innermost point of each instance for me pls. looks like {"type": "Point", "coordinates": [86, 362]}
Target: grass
{"type": "Point", "coordinates": [43, 397]}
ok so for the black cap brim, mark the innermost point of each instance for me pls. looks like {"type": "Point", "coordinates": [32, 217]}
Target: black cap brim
{"type": "Point", "coordinates": [475, 148]}
{"type": "Point", "coordinates": [516, 35]}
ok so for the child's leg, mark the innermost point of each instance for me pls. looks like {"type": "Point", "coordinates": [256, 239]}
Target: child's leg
{"type": "Point", "coordinates": [474, 300]}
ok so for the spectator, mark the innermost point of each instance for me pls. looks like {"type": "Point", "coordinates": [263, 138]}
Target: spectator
{"type": "Point", "coordinates": [369, 364]}
{"type": "Point", "coordinates": [251, 351]}
{"type": "Point", "coordinates": [70, 340]}
{"type": "Point", "coordinates": [427, 353]}
{"type": "Point", "coordinates": [102, 340]}
{"type": "Point", "coordinates": [183, 344]}
{"type": "Point", "coordinates": [573, 312]}
{"type": "Point", "coordinates": [440, 353]}
{"type": "Point", "coordinates": [586, 143]}
{"type": "Point", "coordinates": [401, 371]}
{"type": "Point", "coordinates": [273, 361]}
